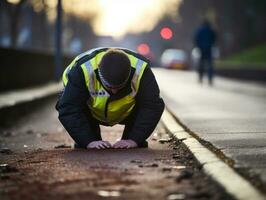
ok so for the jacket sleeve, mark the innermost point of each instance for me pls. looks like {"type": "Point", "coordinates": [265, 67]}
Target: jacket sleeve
{"type": "Point", "coordinates": [150, 107]}
{"type": "Point", "coordinates": [71, 107]}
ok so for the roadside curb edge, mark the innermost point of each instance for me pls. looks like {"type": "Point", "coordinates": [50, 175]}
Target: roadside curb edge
{"type": "Point", "coordinates": [14, 98]}
{"type": "Point", "coordinates": [15, 104]}
{"type": "Point", "coordinates": [213, 166]}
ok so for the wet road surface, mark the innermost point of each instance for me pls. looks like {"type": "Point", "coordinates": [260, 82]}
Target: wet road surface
{"type": "Point", "coordinates": [38, 162]}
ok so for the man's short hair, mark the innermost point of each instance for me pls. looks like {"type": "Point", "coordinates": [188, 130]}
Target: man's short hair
{"type": "Point", "coordinates": [115, 67]}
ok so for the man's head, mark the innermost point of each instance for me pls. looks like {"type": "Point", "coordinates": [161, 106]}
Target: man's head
{"type": "Point", "coordinates": [206, 22]}
{"type": "Point", "coordinates": [114, 69]}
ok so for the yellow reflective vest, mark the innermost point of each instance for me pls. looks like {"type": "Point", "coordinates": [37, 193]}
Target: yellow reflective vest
{"type": "Point", "coordinates": [101, 108]}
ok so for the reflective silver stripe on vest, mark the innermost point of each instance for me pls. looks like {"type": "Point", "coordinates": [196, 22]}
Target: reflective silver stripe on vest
{"type": "Point", "coordinates": [138, 66]}
{"type": "Point", "coordinates": [99, 93]}
{"type": "Point", "coordinates": [91, 75]}
{"type": "Point", "coordinates": [93, 92]}
{"type": "Point", "coordinates": [136, 76]}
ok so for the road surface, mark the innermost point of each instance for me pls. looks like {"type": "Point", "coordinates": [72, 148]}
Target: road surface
{"type": "Point", "coordinates": [40, 163]}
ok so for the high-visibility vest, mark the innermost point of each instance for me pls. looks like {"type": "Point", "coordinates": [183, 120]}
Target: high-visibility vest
{"type": "Point", "coordinates": [109, 112]}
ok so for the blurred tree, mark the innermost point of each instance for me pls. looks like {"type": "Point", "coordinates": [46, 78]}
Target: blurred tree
{"type": "Point", "coordinates": [35, 21]}
{"type": "Point", "coordinates": [14, 11]}
{"type": "Point", "coordinates": [79, 30]}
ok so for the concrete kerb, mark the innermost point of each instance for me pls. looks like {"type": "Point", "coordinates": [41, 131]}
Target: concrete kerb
{"type": "Point", "coordinates": [14, 104]}
{"type": "Point", "coordinates": [13, 98]}
{"type": "Point", "coordinates": [213, 166]}
{"type": "Point", "coordinates": [173, 127]}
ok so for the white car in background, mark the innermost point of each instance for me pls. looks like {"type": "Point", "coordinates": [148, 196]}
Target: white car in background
{"type": "Point", "coordinates": [174, 59]}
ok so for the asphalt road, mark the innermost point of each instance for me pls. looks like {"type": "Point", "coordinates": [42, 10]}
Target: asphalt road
{"type": "Point", "coordinates": [231, 115]}
{"type": "Point", "coordinates": [41, 164]}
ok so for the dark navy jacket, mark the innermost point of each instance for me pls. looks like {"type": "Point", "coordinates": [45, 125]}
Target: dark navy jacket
{"type": "Point", "coordinates": [72, 108]}
{"type": "Point", "coordinates": [205, 38]}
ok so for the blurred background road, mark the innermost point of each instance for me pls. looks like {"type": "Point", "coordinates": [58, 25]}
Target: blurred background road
{"type": "Point", "coordinates": [42, 34]}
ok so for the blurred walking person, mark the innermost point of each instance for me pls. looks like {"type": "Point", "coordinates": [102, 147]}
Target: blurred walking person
{"type": "Point", "coordinates": [204, 39]}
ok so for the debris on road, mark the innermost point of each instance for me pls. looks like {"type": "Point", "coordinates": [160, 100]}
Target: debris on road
{"type": "Point", "coordinates": [176, 156]}
{"type": "Point", "coordinates": [176, 197]}
{"type": "Point", "coordinates": [62, 146]}
{"type": "Point", "coordinates": [165, 140]}
{"type": "Point", "coordinates": [167, 169]}
{"type": "Point", "coordinates": [198, 194]}
{"type": "Point", "coordinates": [42, 134]}
{"type": "Point", "coordinates": [185, 174]}
{"type": "Point", "coordinates": [136, 161]}
{"type": "Point", "coordinates": [30, 132]}
{"type": "Point", "coordinates": [6, 151]}
{"type": "Point", "coordinates": [149, 165]}
{"type": "Point", "coordinates": [179, 167]}
{"type": "Point", "coordinates": [6, 168]}
{"type": "Point", "coordinates": [7, 133]}
{"type": "Point", "coordinates": [104, 193]}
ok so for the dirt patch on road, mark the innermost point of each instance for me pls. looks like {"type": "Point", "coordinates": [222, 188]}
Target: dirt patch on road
{"type": "Point", "coordinates": [155, 173]}
{"type": "Point", "coordinates": [38, 162]}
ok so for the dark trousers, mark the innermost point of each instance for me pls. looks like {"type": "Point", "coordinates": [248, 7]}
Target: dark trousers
{"type": "Point", "coordinates": [206, 64]}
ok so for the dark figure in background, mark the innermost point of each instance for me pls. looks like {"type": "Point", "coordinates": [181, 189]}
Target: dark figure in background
{"type": "Point", "coordinates": [205, 38]}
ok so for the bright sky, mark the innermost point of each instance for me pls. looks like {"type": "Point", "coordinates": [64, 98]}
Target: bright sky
{"type": "Point", "coordinates": [117, 17]}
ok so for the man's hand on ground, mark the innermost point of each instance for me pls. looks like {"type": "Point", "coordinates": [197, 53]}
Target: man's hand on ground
{"type": "Point", "coordinates": [125, 144]}
{"type": "Point", "coordinates": [99, 145]}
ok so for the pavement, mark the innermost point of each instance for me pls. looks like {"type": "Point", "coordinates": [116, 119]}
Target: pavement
{"type": "Point", "coordinates": [230, 116]}
{"type": "Point", "coordinates": [15, 97]}
{"type": "Point", "coordinates": [16, 103]}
